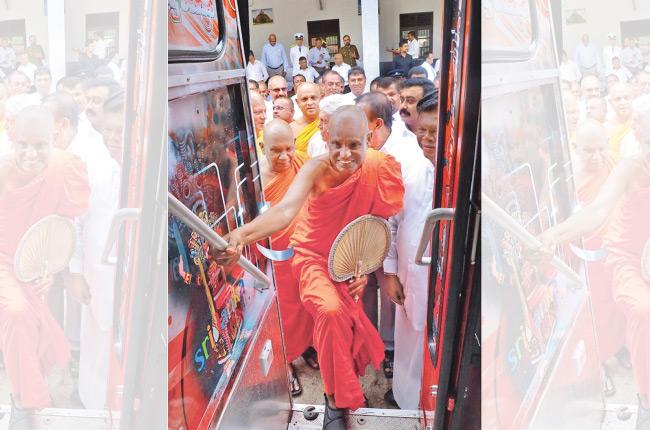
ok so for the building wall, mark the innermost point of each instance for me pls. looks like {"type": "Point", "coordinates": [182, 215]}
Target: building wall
{"type": "Point", "coordinates": [33, 12]}
{"type": "Point", "coordinates": [291, 16]}
{"type": "Point", "coordinates": [602, 18]}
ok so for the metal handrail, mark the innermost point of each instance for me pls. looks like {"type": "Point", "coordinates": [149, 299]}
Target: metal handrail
{"type": "Point", "coordinates": [435, 216]}
{"type": "Point", "coordinates": [190, 219]}
{"type": "Point", "coordinates": [504, 220]}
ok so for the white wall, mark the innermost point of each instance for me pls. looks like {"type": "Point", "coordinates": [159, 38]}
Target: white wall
{"type": "Point", "coordinates": [32, 11]}
{"type": "Point", "coordinates": [602, 18]}
{"type": "Point", "coordinates": [291, 16]}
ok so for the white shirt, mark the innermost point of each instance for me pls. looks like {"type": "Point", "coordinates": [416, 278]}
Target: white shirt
{"type": "Point", "coordinates": [431, 73]}
{"type": "Point", "coordinates": [316, 146]}
{"type": "Point", "coordinates": [99, 49]}
{"type": "Point", "coordinates": [610, 51]}
{"type": "Point", "coordinates": [569, 71]}
{"type": "Point", "coordinates": [622, 72]}
{"type": "Point", "coordinates": [309, 73]}
{"type": "Point", "coordinates": [414, 49]}
{"type": "Point", "coordinates": [295, 53]}
{"type": "Point", "coordinates": [406, 226]}
{"type": "Point", "coordinates": [587, 56]}
{"type": "Point", "coordinates": [342, 70]}
{"type": "Point", "coordinates": [29, 70]}
{"type": "Point", "coordinates": [297, 113]}
{"type": "Point", "coordinates": [256, 71]}
{"type": "Point", "coordinates": [269, 111]}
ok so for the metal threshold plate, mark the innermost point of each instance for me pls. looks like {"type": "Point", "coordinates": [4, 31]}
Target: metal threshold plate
{"type": "Point", "coordinates": [62, 419]}
{"type": "Point", "coordinates": [361, 419]}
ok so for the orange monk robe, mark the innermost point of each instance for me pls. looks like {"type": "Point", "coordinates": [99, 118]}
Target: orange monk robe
{"type": "Point", "coordinates": [610, 322]}
{"type": "Point", "coordinates": [302, 140]}
{"type": "Point", "coordinates": [297, 323]}
{"type": "Point", "coordinates": [627, 235]}
{"type": "Point", "coordinates": [30, 338]}
{"type": "Point", "coordinates": [344, 337]}
{"type": "Point", "coordinates": [616, 139]}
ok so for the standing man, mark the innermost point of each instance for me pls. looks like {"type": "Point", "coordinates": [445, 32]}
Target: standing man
{"type": "Point", "coordinates": [390, 88]}
{"type": "Point", "coordinates": [305, 70]}
{"type": "Point", "coordinates": [26, 67]}
{"type": "Point", "coordinates": [349, 52]}
{"type": "Point", "coordinates": [403, 61]}
{"type": "Point", "coordinates": [35, 52]}
{"type": "Point", "coordinates": [414, 45]}
{"type": "Point", "coordinates": [298, 51]}
{"type": "Point", "coordinates": [274, 57]}
{"type": "Point", "coordinates": [411, 93]}
{"type": "Point", "coordinates": [7, 56]}
{"type": "Point", "coordinates": [255, 69]}
{"type": "Point", "coordinates": [357, 83]}
{"type": "Point", "coordinates": [428, 66]}
{"type": "Point", "coordinates": [277, 88]}
{"type": "Point", "coordinates": [611, 50]}
{"type": "Point", "coordinates": [298, 80]}
{"type": "Point", "coordinates": [333, 190]}
{"type": "Point", "coordinates": [319, 57]}
{"type": "Point", "coordinates": [42, 83]}
{"type": "Point", "coordinates": [427, 126]}
{"type": "Point", "coordinates": [587, 57]}
{"type": "Point", "coordinates": [331, 83]}
{"type": "Point", "coordinates": [305, 127]}
{"type": "Point", "coordinates": [341, 68]}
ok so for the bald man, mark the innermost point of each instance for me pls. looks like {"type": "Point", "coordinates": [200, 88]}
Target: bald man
{"type": "Point", "coordinates": [36, 180]}
{"type": "Point", "coordinates": [279, 168]}
{"type": "Point", "coordinates": [305, 127]}
{"type": "Point", "coordinates": [619, 127]}
{"type": "Point", "coordinates": [334, 189]}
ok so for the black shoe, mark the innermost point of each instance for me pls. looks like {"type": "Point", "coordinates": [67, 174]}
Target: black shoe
{"type": "Point", "coordinates": [294, 382]}
{"type": "Point", "coordinates": [388, 364]}
{"type": "Point", "coordinates": [21, 419]}
{"type": "Point", "coordinates": [390, 399]}
{"type": "Point", "coordinates": [311, 358]}
{"type": "Point", "coordinates": [333, 419]}
{"type": "Point", "coordinates": [642, 417]}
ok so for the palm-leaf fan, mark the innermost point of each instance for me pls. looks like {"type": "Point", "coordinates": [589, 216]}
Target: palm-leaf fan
{"type": "Point", "coordinates": [645, 261]}
{"type": "Point", "coordinates": [360, 248]}
{"type": "Point", "coordinates": [45, 248]}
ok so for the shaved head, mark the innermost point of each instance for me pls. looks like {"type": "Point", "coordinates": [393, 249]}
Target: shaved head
{"type": "Point", "coordinates": [33, 145]}
{"type": "Point", "coordinates": [591, 145]}
{"type": "Point", "coordinates": [620, 98]}
{"type": "Point", "coordinates": [279, 145]}
{"type": "Point", "coordinates": [349, 115]}
{"type": "Point", "coordinates": [308, 97]}
{"type": "Point", "coordinates": [348, 142]}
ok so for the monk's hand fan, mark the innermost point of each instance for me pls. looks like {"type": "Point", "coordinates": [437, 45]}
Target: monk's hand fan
{"type": "Point", "coordinates": [45, 249]}
{"type": "Point", "coordinates": [359, 249]}
{"type": "Point", "coordinates": [645, 261]}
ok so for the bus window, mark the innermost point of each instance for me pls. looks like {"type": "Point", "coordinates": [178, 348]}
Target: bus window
{"type": "Point", "coordinates": [195, 30]}
{"type": "Point", "coordinates": [509, 30]}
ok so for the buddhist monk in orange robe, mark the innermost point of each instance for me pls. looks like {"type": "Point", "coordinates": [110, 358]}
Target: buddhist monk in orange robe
{"type": "Point", "coordinates": [332, 190]}
{"type": "Point", "coordinates": [592, 166]}
{"type": "Point", "coordinates": [279, 167]}
{"type": "Point", "coordinates": [35, 181]}
{"type": "Point", "coordinates": [625, 197]}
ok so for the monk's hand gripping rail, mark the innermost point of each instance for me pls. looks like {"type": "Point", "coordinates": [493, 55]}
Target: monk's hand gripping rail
{"type": "Point", "coordinates": [180, 211]}
{"type": "Point", "coordinates": [433, 218]}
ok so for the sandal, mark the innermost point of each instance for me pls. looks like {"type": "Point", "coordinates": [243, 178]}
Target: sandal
{"type": "Point", "coordinates": [333, 419]}
{"type": "Point", "coordinates": [294, 382]}
{"type": "Point", "coordinates": [388, 364]}
{"type": "Point", "coordinates": [311, 358]}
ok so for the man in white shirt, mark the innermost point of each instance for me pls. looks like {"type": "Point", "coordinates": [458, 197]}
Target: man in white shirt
{"type": "Point", "coordinates": [331, 83]}
{"type": "Point", "coordinates": [303, 69]}
{"type": "Point", "coordinates": [89, 280]}
{"type": "Point", "coordinates": [411, 92]}
{"type": "Point", "coordinates": [7, 55]}
{"type": "Point", "coordinates": [587, 57]}
{"type": "Point", "coordinates": [610, 50]}
{"type": "Point", "coordinates": [297, 51]}
{"type": "Point", "coordinates": [428, 66]}
{"type": "Point", "coordinates": [255, 69]}
{"type": "Point", "coordinates": [26, 67]}
{"type": "Point", "coordinates": [414, 46]}
{"type": "Point", "coordinates": [99, 46]}
{"type": "Point", "coordinates": [357, 83]}
{"type": "Point", "coordinates": [341, 68]}
{"type": "Point", "coordinates": [277, 88]}
{"type": "Point", "coordinates": [298, 80]}
{"type": "Point", "coordinates": [401, 281]}
{"type": "Point", "coordinates": [390, 87]}
{"type": "Point", "coordinates": [622, 72]}
{"type": "Point", "coordinates": [319, 57]}
{"type": "Point", "coordinates": [42, 83]}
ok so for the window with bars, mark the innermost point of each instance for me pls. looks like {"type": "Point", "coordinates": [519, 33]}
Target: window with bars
{"type": "Point", "coordinates": [14, 30]}
{"type": "Point", "coordinates": [422, 25]}
{"type": "Point", "coordinates": [107, 25]}
{"type": "Point", "coordinates": [328, 30]}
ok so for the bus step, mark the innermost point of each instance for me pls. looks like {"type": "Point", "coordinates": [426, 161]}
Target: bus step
{"type": "Point", "coordinates": [61, 419]}
{"type": "Point", "coordinates": [361, 419]}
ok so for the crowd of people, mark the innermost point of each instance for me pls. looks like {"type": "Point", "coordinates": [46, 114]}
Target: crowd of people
{"type": "Point", "coordinates": [606, 102]}
{"type": "Point", "coordinates": [60, 154]}
{"type": "Point", "coordinates": [318, 142]}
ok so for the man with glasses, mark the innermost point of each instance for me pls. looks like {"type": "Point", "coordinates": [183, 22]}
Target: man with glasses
{"type": "Point", "coordinates": [349, 52]}
{"type": "Point", "coordinates": [277, 88]}
{"type": "Point", "coordinates": [283, 109]}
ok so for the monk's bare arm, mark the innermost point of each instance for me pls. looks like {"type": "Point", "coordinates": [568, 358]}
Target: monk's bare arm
{"type": "Point", "coordinates": [281, 215]}
{"type": "Point", "coordinates": [592, 216]}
